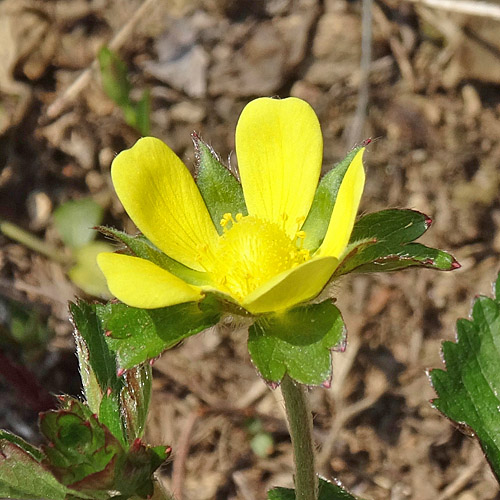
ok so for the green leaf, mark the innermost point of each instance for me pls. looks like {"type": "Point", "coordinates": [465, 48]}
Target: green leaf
{"type": "Point", "coordinates": [327, 491]}
{"type": "Point", "coordinates": [86, 274]}
{"type": "Point", "coordinates": [75, 221]}
{"type": "Point", "coordinates": [23, 476]}
{"type": "Point", "coordinates": [297, 342]}
{"type": "Point", "coordinates": [321, 210]}
{"type": "Point", "coordinates": [219, 188]}
{"type": "Point", "coordinates": [101, 384]}
{"type": "Point", "coordinates": [114, 77]}
{"type": "Point", "coordinates": [98, 357]}
{"type": "Point", "coordinates": [85, 456]}
{"type": "Point", "coordinates": [21, 443]}
{"type": "Point", "coordinates": [82, 452]}
{"type": "Point", "coordinates": [137, 335]}
{"type": "Point", "coordinates": [141, 247]}
{"type": "Point", "coordinates": [469, 390]}
{"type": "Point", "coordinates": [121, 402]}
{"type": "Point", "coordinates": [142, 113]}
{"type": "Point", "coordinates": [381, 242]}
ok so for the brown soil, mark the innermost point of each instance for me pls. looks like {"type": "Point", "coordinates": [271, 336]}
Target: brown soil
{"type": "Point", "coordinates": [434, 112]}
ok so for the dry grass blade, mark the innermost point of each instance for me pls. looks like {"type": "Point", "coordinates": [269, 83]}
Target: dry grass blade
{"type": "Point", "coordinates": [473, 8]}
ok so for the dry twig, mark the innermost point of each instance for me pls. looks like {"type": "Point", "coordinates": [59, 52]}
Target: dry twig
{"type": "Point", "coordinates": [58, 106]}
{"type": "Point", "coordinates": [471, 7]}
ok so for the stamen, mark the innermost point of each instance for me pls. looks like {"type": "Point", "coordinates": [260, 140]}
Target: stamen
{"type": "Point", "coordinates": [226, 219]}
{"type": "Point", "coordinates": [239, 216]}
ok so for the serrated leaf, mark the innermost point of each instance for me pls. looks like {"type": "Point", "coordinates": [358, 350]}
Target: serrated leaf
{"type": "Point", "coordinates": [469, 390]}
{"type": "Point", "coordinates": [220, 190]}
{"type": "Point", "coordinates": [80, 448]}
{"type": "Point", "coordinates": [21, 443]}
{"type": "Point", "coordinates": [297, 342]}
{"type": "Point", "coordinates": [382, 242]}
{"type": "Point", "coordinates": [137, 335]}
{"type": "Point", "coordinates": [22, 476]}
{"type": "Point", "coordinates": [75, 221]}
{"type": "Point", "coordinates": [141, 247]}
{"type": "Point", "coordinates": [326, 491]}
{"type": "Point", "coordinates": [102, 361]}
{"type": "Point", "coordinates": [114, 76]}
{"type": "Point", "coordinates": [318, 219]}
{"type": "Point", "coordinates": [101, 384]}
{"type": "Point", "coordinates": [86, 274]}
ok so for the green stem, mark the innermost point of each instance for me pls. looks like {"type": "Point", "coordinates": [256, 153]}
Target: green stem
{"type": "Point", "coordinates": [300, 426]}
{"type": "Point", "coordinates": [32, 242]}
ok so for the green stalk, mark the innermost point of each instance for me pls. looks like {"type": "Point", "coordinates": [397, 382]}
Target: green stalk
{"type": "Point", "coordinates": [300, 425]}
{"type": "Point", "coordinates": [32, 242]}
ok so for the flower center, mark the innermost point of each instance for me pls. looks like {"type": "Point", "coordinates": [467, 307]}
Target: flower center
{"type": "Point", "coordinates": [252, 251]}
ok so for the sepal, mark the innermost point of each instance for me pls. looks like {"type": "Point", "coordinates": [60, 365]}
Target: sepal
{"type": "Point", "coordinates": [297, 342]}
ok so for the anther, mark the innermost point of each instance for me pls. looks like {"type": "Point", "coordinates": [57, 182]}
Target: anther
{"type": "Point", "coordinates": [239, 216]}
{"type": "Point", "coordinates": [301, 234]}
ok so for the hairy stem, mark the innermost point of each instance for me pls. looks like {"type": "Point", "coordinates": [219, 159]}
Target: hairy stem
{"type": "Point", "coordinates": [300, 426]}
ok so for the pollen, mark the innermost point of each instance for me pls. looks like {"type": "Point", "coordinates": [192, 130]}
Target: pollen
{"type": "Point", "coordinates": [251, 252]}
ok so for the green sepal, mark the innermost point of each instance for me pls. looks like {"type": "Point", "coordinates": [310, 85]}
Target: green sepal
{"type": "Point", "coordinates": [469, 390]}
{"type": "Point", "coordinates": [297, 342]}
{"type": "Point", "coordinates": [326, 491]}
{"type": "Point", "coordinates": [219, 188]}
{"type": "Point", "coordinates": [138, 335]}
{"type": "Point", "coordinates": [321, 210]}
{"type": "Point", "coordinates": [382, 241]}
{"type": "Point", "coordinates": [140, 246]}
{"type": "Point", "coordinates": [22, 475]}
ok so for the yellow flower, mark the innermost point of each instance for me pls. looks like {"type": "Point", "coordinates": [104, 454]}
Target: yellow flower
{"type": "Point", "coordinates": [259, 261]}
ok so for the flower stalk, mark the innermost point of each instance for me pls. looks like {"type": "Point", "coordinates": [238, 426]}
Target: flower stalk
{"type": "Point", "coordinates": [300, 426]}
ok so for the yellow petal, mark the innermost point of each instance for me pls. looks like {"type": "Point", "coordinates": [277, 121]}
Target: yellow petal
{"type": "Point", "coordinates": [292, 287]}
{"type": "Point", "coordinates": [345, 209]}
{"type": "Point", "coordinates": [161, 197]}
{"type": "Point", "coordinates": [279, 148]}
{"type": "Point", "coordinates": [140, 283]}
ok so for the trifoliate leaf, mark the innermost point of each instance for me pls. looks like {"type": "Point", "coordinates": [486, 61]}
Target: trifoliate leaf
{"type": "Point", "coordinates": [320, 213]}
{"type": "Point", "coordinates": [297, 342]}
{"type": "Point", "coordinates": [469, 390]}
{"type": "Point", "coordinates": [137, 335]}
{"type": "Point", "coordinates": [220, 190]}
{"type": "Point", "coordinates": [382, 242]}
{"type": "Point", "coordinates": [326, 491]}
{"type": "Point", "coordinates": [75, 221]}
